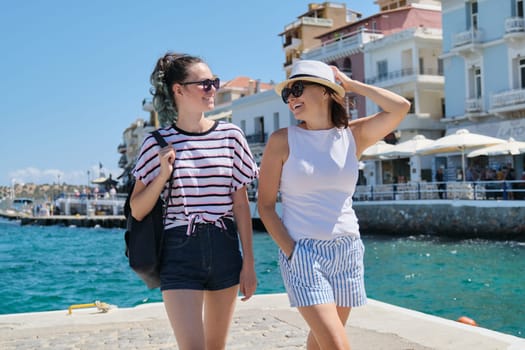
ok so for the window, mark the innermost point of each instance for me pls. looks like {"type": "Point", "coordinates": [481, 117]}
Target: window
{"type": "Point", "coordinates": [259, 129]}
{"type": "Point", "coordinates": [522, 73]}
{"type": "Point", "coordinates": [475, 82]}
{"type": "Point", "coordinates": [519, 8]}
{"type": "Point", "coordinates": [276, 121]}
{"type": "Point", "coordinates": [347, 67]}
{"type": "Point", "coordinates": [243, 126]}
{"type": "Point", "coordinates": [440, 66]}
{"type": "Point", "coordinates": [382, 69]}
{"type": "Point", "coordinates": [477, 78]}
{"type": "Point", "coordinates": [474, 15]}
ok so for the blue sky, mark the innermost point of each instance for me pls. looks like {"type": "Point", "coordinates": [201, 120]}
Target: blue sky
{"type": "Point", "coordinates": [73, 74]}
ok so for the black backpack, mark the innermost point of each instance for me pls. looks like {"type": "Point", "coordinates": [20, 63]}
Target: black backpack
{"type": "Point", "coordinates": [144, 238]}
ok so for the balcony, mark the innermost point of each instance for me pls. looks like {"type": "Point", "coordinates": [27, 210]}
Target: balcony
{"type": "Point", "coordinates": [514, 28]}
{"type": "Point", "coordinates": [289, 62]}
{"type": "Point", "coordinates": [473, 105]}
{"type": "Point", "coordinates": [467, 42]}
{"type": "Point", "coordinates": [420, 121]}
{"type": "Point", "coordinates": [509, 102]}
{"type": "Point", "coordinates": [257, 138]}
{"type": "Point", "coordinates": [292, 44]}
{"type": "Point", "coordinates": [426, 75]}
{"type": "Point", "coordinates": [311, 21]}
{"type": "Point", "coordinates": [346, 45]}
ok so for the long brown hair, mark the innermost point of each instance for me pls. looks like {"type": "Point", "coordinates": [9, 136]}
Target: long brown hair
{"type": "Point", "coordinates": [338, 112]}
{"type": "Point", "coordinates": [170, 69]}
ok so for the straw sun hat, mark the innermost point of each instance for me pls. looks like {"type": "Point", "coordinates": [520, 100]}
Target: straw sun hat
{"type": "Point", "coordinates": [314, 71]}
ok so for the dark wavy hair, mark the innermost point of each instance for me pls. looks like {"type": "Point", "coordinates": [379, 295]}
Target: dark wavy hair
{"type": "Point", "coordinates": [170, 69]}
{"type": "Point", "coordinates": [338, 112]}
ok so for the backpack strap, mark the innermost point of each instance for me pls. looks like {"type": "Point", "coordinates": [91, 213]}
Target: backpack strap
{"type": "Point", "coordinates": [162, 143]}
{"type": "Point", "coordinates": [159, 138]}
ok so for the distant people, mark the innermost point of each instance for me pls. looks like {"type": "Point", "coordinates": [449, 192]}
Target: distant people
{"type": "Point", "coordinates": [441, 184]}
{"type": "Point", "coordinates": [520, 188]}
{"type": "Point", "coordinates": [314, 165]}
{"type": "Point", "coordinates": [469, 176]}
{"type": "Point", "coordinates": [510, 176]}
{"type": "Point", "coordinates": [210, 165]}
{"type": "Point", "coordinates": [459, 175]}
{"type": "Point", "coordinates": [394, 186]}
{"type": "Point", "coordinates": [491, 187]}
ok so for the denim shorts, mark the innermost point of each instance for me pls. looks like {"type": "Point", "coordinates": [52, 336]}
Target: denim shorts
{"type": "Point", "coordinates": [325, 271]}
{"type": "Point", "coordinates": [208, 259]}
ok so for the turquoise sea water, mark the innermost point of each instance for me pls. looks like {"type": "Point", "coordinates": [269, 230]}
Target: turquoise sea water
{"type": "Point", "coordinates": [51, 268]}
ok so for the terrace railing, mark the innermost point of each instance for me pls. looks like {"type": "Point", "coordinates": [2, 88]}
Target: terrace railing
{"type": "Point", "coordinates": [467, 190]}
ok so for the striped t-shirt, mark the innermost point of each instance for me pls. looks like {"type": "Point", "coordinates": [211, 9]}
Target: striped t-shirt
{"type": "Point", "coordinates": [209, 167]}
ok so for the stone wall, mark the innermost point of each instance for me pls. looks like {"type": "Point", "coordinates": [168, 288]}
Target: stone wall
{"type": "Point", "coordinates": [498, 220]}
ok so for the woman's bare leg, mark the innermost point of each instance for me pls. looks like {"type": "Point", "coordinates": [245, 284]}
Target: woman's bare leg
{"type": "Point", "coordinates": [219, 306]}
{"type": "Point", "coordinates": [327, 326]}
{"type": "Point", "coordinates": [184, 309]}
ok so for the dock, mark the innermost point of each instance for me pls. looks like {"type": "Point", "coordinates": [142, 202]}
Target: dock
{"type": "Point", "coordinates": [103, 221]}
{"type": "Point", "coordinates": [264, 322]}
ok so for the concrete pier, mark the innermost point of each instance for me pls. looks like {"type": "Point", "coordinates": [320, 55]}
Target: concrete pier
{"type": "Point", "coordinates": [264, 322]}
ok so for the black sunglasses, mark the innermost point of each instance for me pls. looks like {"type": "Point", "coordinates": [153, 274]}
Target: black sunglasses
{"type": "Point", "coordinates": [206, 83]}
{"type": "Point", "coordinates": [296, 90]}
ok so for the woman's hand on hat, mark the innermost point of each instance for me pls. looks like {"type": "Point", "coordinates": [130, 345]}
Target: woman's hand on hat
{"type": "Point", "coordinates": [341, 78]}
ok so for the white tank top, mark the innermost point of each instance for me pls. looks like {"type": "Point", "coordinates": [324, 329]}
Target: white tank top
{"type": "Point", "coordinates": [317, 184]}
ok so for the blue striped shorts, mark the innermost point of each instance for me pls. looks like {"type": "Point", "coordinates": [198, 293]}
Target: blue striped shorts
{"type": "Point", "coordinates": [325, 271]}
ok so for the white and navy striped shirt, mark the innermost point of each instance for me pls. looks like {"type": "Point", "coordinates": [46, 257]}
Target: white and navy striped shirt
{"type": "Point", "coordinates": [209, 167]}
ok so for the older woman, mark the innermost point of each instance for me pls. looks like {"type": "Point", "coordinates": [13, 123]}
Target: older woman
{"type": "Point", "coordinates": [315, 167]}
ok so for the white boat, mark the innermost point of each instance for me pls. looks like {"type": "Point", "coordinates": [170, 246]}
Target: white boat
{"type": "Point", "coordinates": [94, 204]}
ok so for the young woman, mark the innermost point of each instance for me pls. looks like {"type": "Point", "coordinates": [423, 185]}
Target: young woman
{"type": "Point", "coordinates": [210, 165]}
{"type": "Point", "coordinates": [314, 165]}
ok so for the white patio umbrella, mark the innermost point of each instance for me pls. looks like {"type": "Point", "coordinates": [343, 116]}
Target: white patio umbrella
{"type": "Point", "coordinates": [376, 150]}
{"type": "Point", "coordinates": [510, 146]}
{"type": "Point", "coordinates": [410, 147]}
{"type": "Point", "coordinates": [459, 142]}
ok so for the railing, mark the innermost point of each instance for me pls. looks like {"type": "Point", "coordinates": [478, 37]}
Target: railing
{"type": "Point", "coordinates": [514, 24]}
{"type": "Point", "coordinates": [473, 105]}
{"type": "Point", "coordinates": [466, 38]}
{"type": "Point", "coordinates": [468, 190]}
{"type": "Point", "coordinates": [257, 138]}
{"type": "Point", "coordinates": [405, 72]}
{"type": "Point", "coordinates": [292, 43]}
{"type": "Point", "coordinates": [342, 43]}
{"type": "Point", "coordinates": [323, 22]}
{"type": "Point", "coordinates": [508, 98]}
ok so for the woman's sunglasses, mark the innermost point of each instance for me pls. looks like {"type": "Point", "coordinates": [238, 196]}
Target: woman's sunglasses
{"type": "Point", "coordinates": [296, 90]}
{"type": "Point", "coordinates": [206, 83]}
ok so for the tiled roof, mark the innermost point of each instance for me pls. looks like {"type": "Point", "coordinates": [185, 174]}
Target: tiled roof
{"type": "Point", "coordinates": [244, 82]}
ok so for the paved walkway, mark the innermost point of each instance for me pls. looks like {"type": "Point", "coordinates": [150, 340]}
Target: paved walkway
{"type": "Point", "coordinates": [264, 322]}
